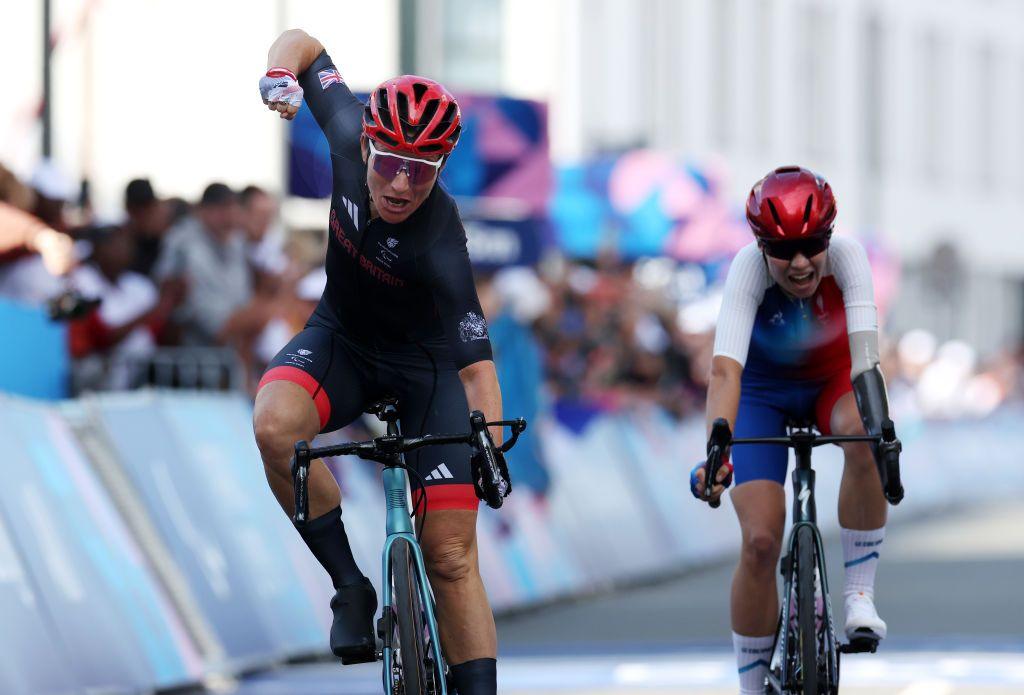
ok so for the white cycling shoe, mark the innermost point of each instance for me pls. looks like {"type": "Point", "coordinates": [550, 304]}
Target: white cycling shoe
{"type": "Point", "coordinates": [862, 619]}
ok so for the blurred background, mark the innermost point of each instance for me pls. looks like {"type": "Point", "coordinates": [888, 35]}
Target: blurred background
{"type": "Point", "coordinates": [607, 153]}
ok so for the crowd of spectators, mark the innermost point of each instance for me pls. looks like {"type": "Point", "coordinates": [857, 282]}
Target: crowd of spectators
{"type": "Point", "coordinates": [169, 274]}
{"type": "Point", "coordinates": [223, 273]}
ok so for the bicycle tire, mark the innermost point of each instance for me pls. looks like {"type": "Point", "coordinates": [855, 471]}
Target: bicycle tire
{"type": "Point", "coordinates": [808, 635]}
{"type": "Point", "coordinates": [409, 620]}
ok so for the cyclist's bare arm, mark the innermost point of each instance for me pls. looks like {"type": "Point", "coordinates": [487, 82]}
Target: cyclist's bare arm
{"type": "Point", "coordinates": [294, 50]}
{"type": "Point", "coordinates": [723, 402]}
{"type": "Point", "coordinates": [723, 390]}
{"type": "Point", "coordinates": [288, 57]}
{"type": "Point", "coordinates": [480, 380]}
{"type": "Point", "coordinates": [20, 230]}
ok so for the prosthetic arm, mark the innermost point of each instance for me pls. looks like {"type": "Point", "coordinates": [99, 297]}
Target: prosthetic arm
{"type": "Point", "coordinates": [873, 405]}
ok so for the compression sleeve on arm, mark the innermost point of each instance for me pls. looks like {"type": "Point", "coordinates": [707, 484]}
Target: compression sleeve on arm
{"type": "Point", "coordinates": [335, 108]}
{"type": "Point", "coordinates": [744, 290]}
{"type": "Point", "coordinates": [850, 267]}
{"type": "Point", "coordinates": [863, 352]}
{"type": "Point", "coordinates": [450, 275]}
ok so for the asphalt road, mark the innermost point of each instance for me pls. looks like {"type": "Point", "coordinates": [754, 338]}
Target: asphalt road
{"type": "Point", "coordinates": [949, 586]}
{"type": "Point", "coordinates": [948, 581]}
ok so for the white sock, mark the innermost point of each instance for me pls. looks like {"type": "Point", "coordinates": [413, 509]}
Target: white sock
{"type": "Point", "coordinates": [860, 557]}
{"type": "Point", "coordinates": [753, 656]}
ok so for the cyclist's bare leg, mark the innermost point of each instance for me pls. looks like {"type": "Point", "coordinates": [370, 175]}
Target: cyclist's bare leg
{"type": "Point", "coordinates": [464, 615]}
{"type": "Point", "coordinates": [284, 414]}
{"type": "Point", "coordinates": [862, 505]}
{"type": "Point", "coordinates": [761, 508]}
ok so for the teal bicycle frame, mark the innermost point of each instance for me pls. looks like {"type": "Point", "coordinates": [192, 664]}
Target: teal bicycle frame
{"type": "Point", "coordinates": [388, 451]}
{"type": "Point", "coordinates": [399, 526]}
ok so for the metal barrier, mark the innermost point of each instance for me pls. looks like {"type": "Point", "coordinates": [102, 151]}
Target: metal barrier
{"type": "Point", "coordinates": [191, 368]}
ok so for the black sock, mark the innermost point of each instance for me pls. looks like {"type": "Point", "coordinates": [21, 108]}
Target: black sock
{"type": "Point", "coordinates": [476, 677]}
{"type": "Point", "coordinates": [326, 537]}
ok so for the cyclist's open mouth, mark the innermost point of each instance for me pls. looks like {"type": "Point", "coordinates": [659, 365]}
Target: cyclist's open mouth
{"type": "Point", "coordinates": [802, 280]}
{"type": "Point", "coordinates": [395, 204]}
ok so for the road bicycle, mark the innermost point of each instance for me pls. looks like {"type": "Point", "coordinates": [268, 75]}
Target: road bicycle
{"type": "Point", "coordinates": [410, 647]}
{"type": "Point", "coordinates": [806, 652]}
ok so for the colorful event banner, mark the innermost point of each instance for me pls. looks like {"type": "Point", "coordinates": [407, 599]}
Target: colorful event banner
{"type": "Point", "coordinates": [646, 203]}
{"type": "Point", "coordinates": [500, 173]}
{"type": "Point", "coordinates": [502, 154]}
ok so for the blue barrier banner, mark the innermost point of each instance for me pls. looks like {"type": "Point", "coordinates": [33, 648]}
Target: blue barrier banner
{"type": "Point", "coordinates": [33, 354]}
{"type": "Point", "coordinates": [87, 574]}
{"type": "Point", "coordinates": [194, 463]}
{"type": "Point", "coordinates": [32, 659]}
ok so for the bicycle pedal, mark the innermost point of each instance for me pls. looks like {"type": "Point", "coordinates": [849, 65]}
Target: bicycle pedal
{"type": "Point", "coordinates": [365, 657]}
{"type": "Point", "coordinates": [866, 644]}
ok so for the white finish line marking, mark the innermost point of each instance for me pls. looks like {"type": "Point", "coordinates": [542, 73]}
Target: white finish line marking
{"type": "Point", "coordinates": [914, 673]}
{"type": "Point", "coordinates": [928, 688]}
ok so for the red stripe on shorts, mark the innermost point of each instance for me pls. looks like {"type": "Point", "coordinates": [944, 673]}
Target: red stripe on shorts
{"type": "Point", "coordinates": [303, 379]}
{"type": "Point", "coordinates": [834, 389]}
{"type": "Point", "coordinates": [450, 496]}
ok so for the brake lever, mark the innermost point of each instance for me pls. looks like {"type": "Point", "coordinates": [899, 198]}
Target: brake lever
{"type": "Point", "coordinates": [889, 449]}
{"type": "Point", "coordinates": [714, 462]}
{"type": "Point", "coordinates": [517, 426]}
{"type": "Point", "coordinates": [300, 481]}
{"type": "Point", "coordinates": [494, 485]}
{"type": "Point", "coordinates": [719, 439]}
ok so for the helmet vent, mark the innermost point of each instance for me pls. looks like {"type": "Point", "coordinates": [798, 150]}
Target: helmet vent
{"type": "Point", "coordinates": [775, 213]}
{"type": "Point", "coordinates": [384, 110]}
{"type": "Point", "coordinates": [428, 111]}
{"type": "Point", "coordinates": [418, 90]}
{"type": "Point", "coordinates": [807, 208]}
{"type": "Point", "coordinates": [445, 123]}
{"type": "Point", "coordinates": [403, 106]}
{"type": "Point", "coordinates": [788, 170]}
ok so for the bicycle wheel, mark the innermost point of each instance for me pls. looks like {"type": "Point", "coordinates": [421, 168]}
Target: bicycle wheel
{"type": "Point", "coordinates": [808, 636]}
{"type": "Point", "coordinates": [410, 657]}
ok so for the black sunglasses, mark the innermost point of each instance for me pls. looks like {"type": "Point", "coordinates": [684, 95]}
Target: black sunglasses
{"type": "Point", "coordinates": [786, 250]}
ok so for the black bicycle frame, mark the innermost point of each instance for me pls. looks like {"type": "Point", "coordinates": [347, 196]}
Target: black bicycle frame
{"type": "Point", "coordinates": [804, 514]}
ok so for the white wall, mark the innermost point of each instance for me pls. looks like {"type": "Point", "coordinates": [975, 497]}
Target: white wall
{"type": "Point", "coordinates": [733, 78]}
{"type": "Point", "coordinates": [168, 88]}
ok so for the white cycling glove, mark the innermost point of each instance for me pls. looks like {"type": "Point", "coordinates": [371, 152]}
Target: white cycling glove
{"type": "Point", "coordinates": [280, 86]}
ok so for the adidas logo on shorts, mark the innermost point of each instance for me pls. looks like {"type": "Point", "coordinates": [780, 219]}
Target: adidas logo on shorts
{"type": "Point", "coordinates": [440, 473]}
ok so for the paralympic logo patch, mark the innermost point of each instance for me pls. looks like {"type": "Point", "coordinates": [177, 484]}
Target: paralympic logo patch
{"type": "Point", "coordinates": [473, 326]}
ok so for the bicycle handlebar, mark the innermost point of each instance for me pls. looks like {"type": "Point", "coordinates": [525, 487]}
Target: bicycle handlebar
{"type": "Point", "coordinates": [386, 449]}
{"type": "Point", "coordinates": [888, 460]}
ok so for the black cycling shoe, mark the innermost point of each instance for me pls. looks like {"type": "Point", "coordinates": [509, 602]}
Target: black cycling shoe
{"type": "Point", "coordinates": [352, 638]}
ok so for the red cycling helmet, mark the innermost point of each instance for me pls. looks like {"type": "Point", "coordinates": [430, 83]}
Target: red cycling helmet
{"type": "Point", "coordinates": [413, 115]}
{"type": "Point", "coordinates": [791, 203]}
